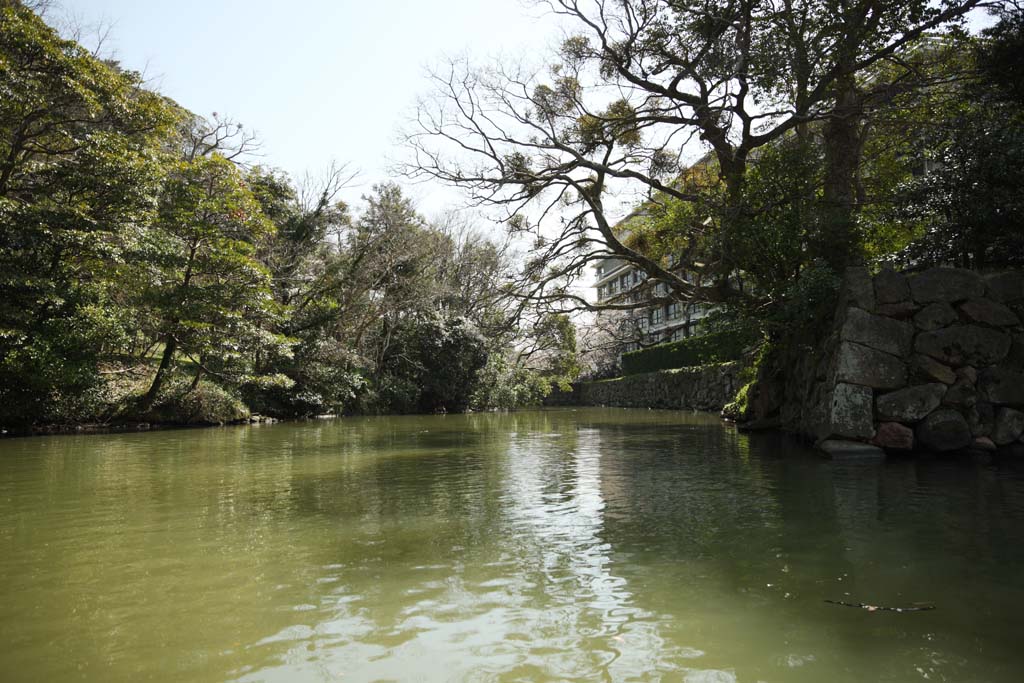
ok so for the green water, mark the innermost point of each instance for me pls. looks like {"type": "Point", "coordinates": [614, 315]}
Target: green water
{"type": "Point", "coordinates": [590, 545]}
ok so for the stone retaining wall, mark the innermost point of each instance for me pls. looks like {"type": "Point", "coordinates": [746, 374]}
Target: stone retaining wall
{"type": "Point", "coordinates": [705, 388]}
{"type": "Point", "coordinates": [928, 361]}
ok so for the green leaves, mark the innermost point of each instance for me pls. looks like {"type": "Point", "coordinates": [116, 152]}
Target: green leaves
{"type": "Point", "coordinates": [80, 166]}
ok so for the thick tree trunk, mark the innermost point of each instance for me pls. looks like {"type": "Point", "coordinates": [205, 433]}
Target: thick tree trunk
{"type": "Point", "coordinates": [733, 174]}
{"type": "Point", "coordinates": [837, 241]}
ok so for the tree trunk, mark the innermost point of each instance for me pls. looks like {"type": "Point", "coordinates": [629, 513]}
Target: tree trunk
{"type": "Point", "coordinates": [171, 345]}
{"type": "Point", "coordinates": [733, 174]}
{"type": "Point", "coordinates": [195, 380]}
{"type": "Point", "coordinates": [837, 241]}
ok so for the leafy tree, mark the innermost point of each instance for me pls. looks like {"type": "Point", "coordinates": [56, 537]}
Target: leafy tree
{"type": "Point", "coordinates": [967, 208]}
{"type": "Point", "coordinates": [79, 171]}
{"type": "Point", "coordinates": [201, 280]}
{"type": "Point", "coordinates": [311, 279]}
{"type": "Point", "coordinates": [432, 365]}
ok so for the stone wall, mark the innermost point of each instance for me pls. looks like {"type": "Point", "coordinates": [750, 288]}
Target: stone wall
{"type": "Point", "coordinates": [705, 388]}
{"type": "Point", "coordinates": [927, 361]}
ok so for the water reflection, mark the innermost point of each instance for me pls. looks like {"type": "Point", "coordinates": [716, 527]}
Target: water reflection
{"type": "Point", "coordinates": [566, 545]}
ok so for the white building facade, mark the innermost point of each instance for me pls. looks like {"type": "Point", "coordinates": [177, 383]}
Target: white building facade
{"type": "Point", "coordinates": [652, 321]}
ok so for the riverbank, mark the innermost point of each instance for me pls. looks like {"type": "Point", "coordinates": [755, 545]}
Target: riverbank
{"type": "Point", "coordinates": [706, 388]}
{"type": "Point", "coordinates": [127, 426]}
{"type": "Point", "coordinates": [909, 363]}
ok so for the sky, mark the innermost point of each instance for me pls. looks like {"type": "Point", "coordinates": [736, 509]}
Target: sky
{"type": "Point", "coordinates": [317, 80]}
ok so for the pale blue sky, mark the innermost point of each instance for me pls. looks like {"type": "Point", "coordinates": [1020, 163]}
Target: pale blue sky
{"type": "Point", "coordinates": [319, 80]}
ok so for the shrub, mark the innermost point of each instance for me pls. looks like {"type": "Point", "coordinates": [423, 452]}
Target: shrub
{"type": "Point", "coordinates": [716, 347]}
{"type": "Point", "coordinates": [208, 403]}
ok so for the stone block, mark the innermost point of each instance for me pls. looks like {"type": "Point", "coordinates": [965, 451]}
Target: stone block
{"type": "Point", "coordinates": [1006, 287]}
{"type": "Point", "coordinates": [964, 345]}
{"type": "Point", "coordinates": [980, 418]}
{"type": "Point", "coordinates": [901, 310]}
{"type": "Point", "coordinates": [891, 287]}
{"type": "Point", "coordinates": [935, 316]}
{"type": "Point", "coordinates": [929, 369]}
{"type": "Point", "coordinates": [894, 436]}
{"type": "Point", "coordinates": [944, 430]}
{"type": "Point", "coordinates": [877, 332]}
{"type": "Point", "coordinates": [910, 404]}
{"type": "Point", "coordinates": [1008, 427]}
{"type": "Point", "coordinates": [989, 312]}
{"type": "Point", "coordinates": [856, 364]}
{"type": "Point", "coordinates": [1015, 359]}
{"type": "Point", "coordinates": [961, 395]}
{"type": "Point", "coordinates": [858, 288]}
{"type": "Point", "coordinates": [1002, 385]}
{"type": "Point", "coordinates": [967, 374]}
{"type": "Point", "coordinates": [850, 412]}
{"type": "Point", "coordinates": [946, 284]}
{"type": "Point", "coordinates": [983, 443]}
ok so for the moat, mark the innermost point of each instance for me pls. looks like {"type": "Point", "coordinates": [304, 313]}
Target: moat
{"type": "Point", "coordinates": [590, 544]}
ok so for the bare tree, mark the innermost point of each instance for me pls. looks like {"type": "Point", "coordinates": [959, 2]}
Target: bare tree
{"type": "Point", "coordinates": [634, 92]}
{"type": "Point", "coordinates": [221, 135]}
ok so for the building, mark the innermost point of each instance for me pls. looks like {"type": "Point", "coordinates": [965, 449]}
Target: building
{"type": "Point", "coordinates": [652, 321]}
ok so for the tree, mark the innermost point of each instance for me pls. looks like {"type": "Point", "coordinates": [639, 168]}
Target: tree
{"type": "Point", "coordinates": [432, 365]}
{"type": "Point", "coordinates": [313, 279]}
{"type": "Point", "coordinates": [79, 171]}
{"type": "Point", "coordinates": [967, 209]}
{"type": "Point", "coordinates": [642, 80]}
{"type": "Point", "coordinates": [200, 277]}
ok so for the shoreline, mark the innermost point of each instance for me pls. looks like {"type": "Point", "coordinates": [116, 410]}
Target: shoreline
{"type": "Point", "coordinates": [86, 428]}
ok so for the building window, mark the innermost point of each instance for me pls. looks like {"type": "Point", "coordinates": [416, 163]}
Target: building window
{"type": "Point", "coordinates": [674, 311]}
{"type": "Point", "coordinates": [656, 315]}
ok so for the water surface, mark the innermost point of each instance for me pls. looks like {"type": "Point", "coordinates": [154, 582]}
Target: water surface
{"type": "Point", "coordinates": [569, 545]}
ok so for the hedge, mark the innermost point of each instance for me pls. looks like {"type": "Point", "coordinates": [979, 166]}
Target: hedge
{"type": "Point", "coordinates": [717, 347]}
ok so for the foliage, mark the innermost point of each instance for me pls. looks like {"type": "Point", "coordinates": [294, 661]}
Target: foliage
{"type": "Point", "coordinates": [146, 272]}
{"type": "Point", "coordinates": [967, 209]}
{"type": "Point", "coordinates": [748, 376]}
{"type": "Point", "coordinates": [525, 376]}
{"type": "Point", "coordinates": [180, 403]}
{"type": "Point", "coordinates": [767, 241]}
{"type": "Point", "coordinates": [79, 170]}
{"type": "Point", "coordinates": [780, 97]}
{"type": "Point", "coordinates": [717, 347]}
{"type": "Point", "coordinates": [432, 366]}
{"type": "Point", "coordinates": [136, 243]}
{"type": "Point", "coordinates": [809, 301]}
{"type": "Point", "coordinates": [505, 384]}
{"type": "Point", "coordinates": [200, 278]}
